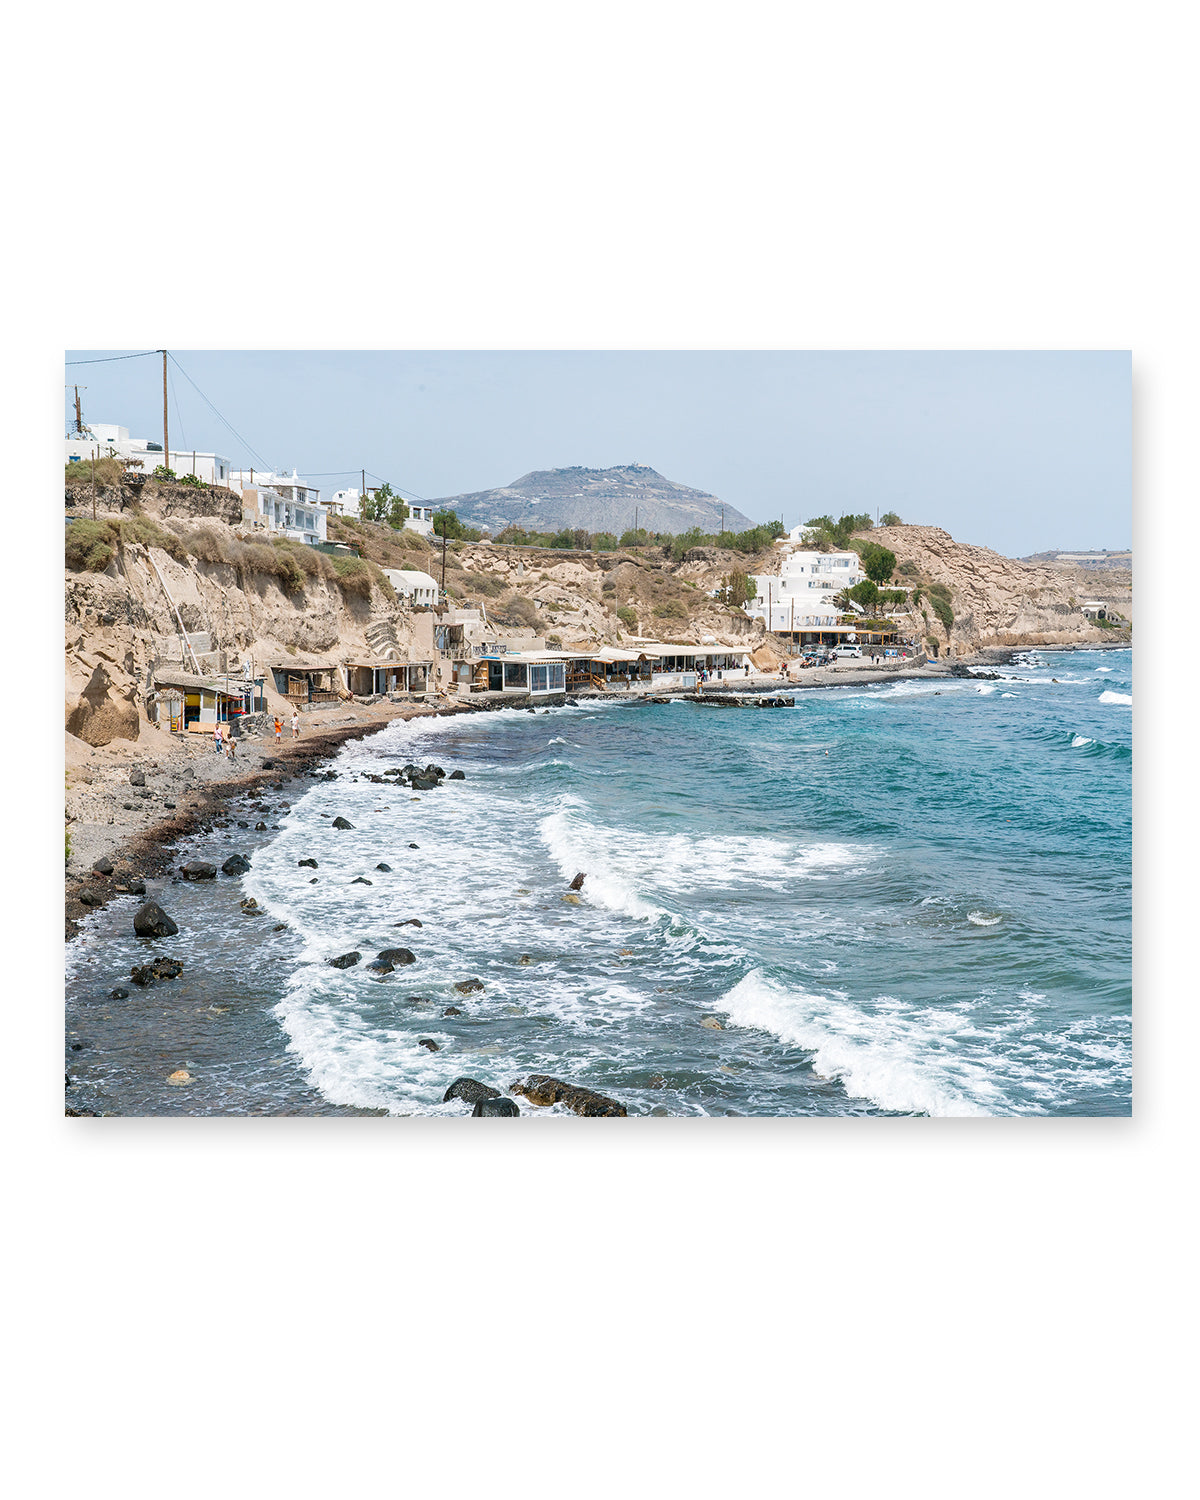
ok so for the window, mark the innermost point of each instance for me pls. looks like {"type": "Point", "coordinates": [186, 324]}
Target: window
{"type": "Point", "coordinates": [514, 674]}
{"type": "Point", "coordinates": [538, 679]}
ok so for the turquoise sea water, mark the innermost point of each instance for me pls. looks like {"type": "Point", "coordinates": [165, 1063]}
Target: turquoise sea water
{"type": "Point", "coordinates": [911, 898]}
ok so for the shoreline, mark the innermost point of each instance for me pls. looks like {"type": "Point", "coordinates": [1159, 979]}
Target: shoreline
{"type": "Point", "coordinates": [135, 848]}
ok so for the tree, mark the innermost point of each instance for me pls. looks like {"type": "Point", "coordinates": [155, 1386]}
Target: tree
{"type": "Point", "coordinates": [737, 589]}
{"type": "Point", "coordinates": [890, 518]}
{"type": "Point", "coordinates": [878, 563]}
{"type": "Point", "coordinates": [368, 510]}
{"type": "Point", "coordinates": [864, 593]}
{"type": "Point", "coordinates": [446, 523]}
{"type": "Point", "coordinates": [390, 507]}
{"type": "Point", "coordinates": [638, 538]}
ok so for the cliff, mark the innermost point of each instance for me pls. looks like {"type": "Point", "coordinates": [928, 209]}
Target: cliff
{"type": "Point", "coordinates": [996, 600]}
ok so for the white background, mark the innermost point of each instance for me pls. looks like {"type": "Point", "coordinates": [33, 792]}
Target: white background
{"type": "Point", "coordinates": [346, 1308]}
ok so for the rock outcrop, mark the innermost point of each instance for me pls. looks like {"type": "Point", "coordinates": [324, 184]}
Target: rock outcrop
{"type": "Point", "coordinates": [540, 1088]}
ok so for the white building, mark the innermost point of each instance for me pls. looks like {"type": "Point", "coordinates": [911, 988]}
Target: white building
{"type": "Point", "coordinates": [107, 440]}
{"type": "Point", "coordinates": [801, 594]}
{"type": "Point", "coordinates": [416, 587]}
{"type": "Point", "coordinates": [281, 503]}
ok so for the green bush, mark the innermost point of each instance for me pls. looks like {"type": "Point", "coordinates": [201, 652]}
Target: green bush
{"type": "Point", "coordinates": [864, 593]}
{"type": "Point", "coordinates": [68, 846]}
{"type": "Point", "coordinates": [91, 546]}
{"type": "Point", "coordinates": [139, 528]}
{"type": "Point", "coordinates": [878, 562]}
{"type": "Point", "coordinates": [942, 609]}
{"type": "Point", "coordinates": [109, 472]}
{"type": "Point", "coordinates": [518, 611]}
{"type": "Point", "coordinates": [194, 480]}
{"type": "Point", "coordinates": [737, 589]}
{"type": "Point", "coordinates": [604, 541]}
{"type": "Point", "coordinates": [628, 617]}
{"type": "Point", "coordinates": [908, 569]}
{"type": "Point", "coordinates": [638, 538]}
{"type": "Point", "coordinates": [890, 518]}
{"type": "Point", "coordinates": [671, 610]}
{"type": "Point", "coordinates": [161, 471]}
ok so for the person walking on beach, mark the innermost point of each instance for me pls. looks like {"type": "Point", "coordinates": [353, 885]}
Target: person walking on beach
{"type": "Point", "coordinates": [278, 730]}
{"type": "Point", "coordinates": [230, 745]}
{"type": "Point", "coordinates": [295, 723]}
{"type": "Point", "coordinates": [217, 736]}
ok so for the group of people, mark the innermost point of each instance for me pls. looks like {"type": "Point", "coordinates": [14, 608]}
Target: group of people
{"type": "Point", "coordinates": [295, 726]}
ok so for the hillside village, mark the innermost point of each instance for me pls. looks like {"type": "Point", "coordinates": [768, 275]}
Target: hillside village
{"type": "Point", "coordinates": [216, 595]}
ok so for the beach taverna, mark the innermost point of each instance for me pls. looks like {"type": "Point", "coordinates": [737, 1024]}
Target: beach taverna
{"type": "Point", "coordinates": [371, 675]}
{"type": "Point", "coordinates": [308, 683]}
{"type": "Point", "coordinates": [184, 701]}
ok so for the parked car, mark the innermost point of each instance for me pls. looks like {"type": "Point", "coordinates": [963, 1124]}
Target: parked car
{"type": "Point", "coordinates": [847, 651]}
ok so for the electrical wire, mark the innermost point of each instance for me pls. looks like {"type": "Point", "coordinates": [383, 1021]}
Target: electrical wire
{"type": "Point", "coordinates": [112, 358]}
{"type": "Point", "coordinates": [254, 453]}
{"type": "Point", "coordinates": [178, 418]}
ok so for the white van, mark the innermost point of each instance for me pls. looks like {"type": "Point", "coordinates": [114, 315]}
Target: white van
{"type": "Point", "coordinates": [847, 651]}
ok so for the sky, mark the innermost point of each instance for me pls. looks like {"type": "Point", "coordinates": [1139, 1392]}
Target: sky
{"type": "Point", "coordinates": [1018, 451]}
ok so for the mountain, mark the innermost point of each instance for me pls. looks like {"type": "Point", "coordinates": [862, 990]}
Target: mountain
{"type": "Point", "coordinates": [595, 500]}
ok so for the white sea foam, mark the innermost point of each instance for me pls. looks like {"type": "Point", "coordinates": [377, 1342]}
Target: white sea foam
{"type": "Point", "coordinates": [1103, 669]}
{"type": "Point", "coordinates": [893, 1054]}
{"type": "Point", "coordinates": [1080, 740]}
{"type": "Point", "coordinates": [1008, 695]}
{"type": "Point", "coordinates": [988, 687]}
{"type": "Point", "coordinates": [1110, 697]}
{"type": "Point", "coordinates": [983, 919]}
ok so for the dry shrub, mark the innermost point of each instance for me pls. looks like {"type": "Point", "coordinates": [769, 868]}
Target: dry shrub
{"type": "Point", "coordinates": [353, 576]}
{"type": "Point", "coordinates": [517, 611]}
{"type": "Point", "coordinates": [91, 545]}
{"type": "Point", "coordinates": [208, 546]}
{"type": "Point", "coordinates": [140, 528]}
{"type": "Point", "coordinates": [109, 472]}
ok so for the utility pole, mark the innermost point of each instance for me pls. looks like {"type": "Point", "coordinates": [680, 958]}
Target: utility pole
{"type": "Point", "coordinates": [93, 484]}
{"type": "Point", "coordinates": [78, 413]}
{"type": "Point", "coordinates": [166, 439]}
{"type": "Point", "coordinates": [722, 520]}
{"type": "Point", "coordinates": [443, 555]}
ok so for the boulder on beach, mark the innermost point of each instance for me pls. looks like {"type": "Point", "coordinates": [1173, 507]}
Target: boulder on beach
{"type": "Point", "coordinates": [424, 783]}
{"type": "Point", "coordinates": [180, 1075]}
{"type": "Point", "coordinates": [487, 1108]}
{"type": "Point", "coordinates": [161, 968]}
{"type": "Point", "coordinates": [577, 883]}
{"type": "Point", "coordinates": [387, 869]}
{"type": "Point", "coordinates": [198, 869]}
{"type": "Point", "coordinates": [470, 1091]}
{"type": "Point", "coordinates": [249, 905]}
{"type": "Point", "coordinates": [344, 961]}
{"type": "Point", "coordinates": [90, 897]}
{"type": "Point", "coordinates": [456, 776]}
{"type": "Point", "coordinates": [126, 883]}
{"type": "Point", "coordinates": [428, 1041]}
{"type": "Point", "coordinates": [410, 922]}
{"type": "Point", "coordinates": [151, 921]}
{"type": "Point", "coordinates": [102, 867]}
{"type": "Point", "coordinates": [137, 778]}
{"type": "Point", "coordinates": [118, 994]}
{"type": "Point", "coordinates": [540, 1088]}
{"type": "Point", "coordinates": [467, 986]}
{"type": "Point", "coordinates": [310, 864]}
{"type": "Point", "coordinates": [361, 880]}
{"type": "Point", "coordinates": [452, 1010]}
{"type": "Point", "coordinates": [236, 864]}
{"type": "Point", "coordinates": [341, 823]}
{"type": "Point", "coordinates": [397, 957]}
{"type": "Point", "coordinates": [713, 1023]}
{"type": "Point", "coordinates": [260, 828]}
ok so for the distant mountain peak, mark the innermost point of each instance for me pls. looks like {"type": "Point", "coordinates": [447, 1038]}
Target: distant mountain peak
{"type": "Point", "coordinates": [596, 500]}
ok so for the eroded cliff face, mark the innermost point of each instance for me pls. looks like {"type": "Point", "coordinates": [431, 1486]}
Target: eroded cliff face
{"type": "Point", "coordinates": [120, 622]}
{"type": "Point", "coordinates": [996, 600]}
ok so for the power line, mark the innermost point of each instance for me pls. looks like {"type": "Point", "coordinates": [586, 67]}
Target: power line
{"type": "Point", "coordinates": [112, 358]}
{"type": "Point", "coordinates": [254, 453]}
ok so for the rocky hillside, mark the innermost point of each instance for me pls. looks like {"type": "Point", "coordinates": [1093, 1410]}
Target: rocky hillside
{"type": "Point", "coordinates": [996, 600]}
{"type": "Point", "coordinates": [595, 500]}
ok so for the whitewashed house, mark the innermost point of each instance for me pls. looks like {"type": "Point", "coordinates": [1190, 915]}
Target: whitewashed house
{"type": "Point", "coordinates": [283, 504]}
{"type": "Point", "coordinates": [416, 587]}
{"type": "Point", "coordinates": [106, 440]}
{"type": "Point", "coordinates": [800, 596]}
{"type": "Point", "coordinates": [420, 517]}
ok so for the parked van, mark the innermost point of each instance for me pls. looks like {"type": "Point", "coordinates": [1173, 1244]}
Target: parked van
{"type": "Point", "coordinates": [847, 651]}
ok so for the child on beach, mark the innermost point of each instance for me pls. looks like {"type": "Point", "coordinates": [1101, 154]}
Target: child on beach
{"type": "Point", "coordinates": [278, 730]}
{"type": "Point", "coordinates": [230, 744]}
{"type": "Point", "coordinates": [217, 737]}
{"type": "Point", "coordinates": [295, 723]}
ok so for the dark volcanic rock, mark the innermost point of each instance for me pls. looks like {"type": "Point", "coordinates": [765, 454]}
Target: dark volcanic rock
{"type": "Point", "coordinates": [198, 869]}
{"type": "Point", "coordinates": [137, 778]}
{"type": "Point", "coordinates": [260, 828]}
{"type": "Point", "coordinates": [486, 1108]}
{"type": "Point", "coordinates": [540, 1088]}
{"type": "Point", "coordinates": [243, 825]}
{"type": "Point", "coordinates": [414, 846]}
{"type": "Point", "coordinates": [428, 1041]}
{"type": "Point", "coordinates": [341, 823]}
{"type": "Point", "coordinates": [151, 921]}
{"type": "Point", "coordinates": [89, 897]}
{"type": "Point", "coordinates": [432, 770]}
{"type": "Point", "coordinates": [360, 880]}
{"type": "Point", "coordinates": [272, 763]}
{"type": "Point", "coordinates": [424, 783]}
{"type": "Point", "coordinates": [397, 957]}
{"type": "Point", "coordinates": [410, 922]}
{"type": "Point", "coordinates": [452, 1010]}
{"type": "Point", "coordinates": [387, 869]}
{"type": "Point", "coordinates": [577, 883]}
{"type": "Point", "coordinates": [470, 1091]}
{"type": "Point", "coordinates": [102, 867]}
{"type": "Point", "coordinates": [467, 986]}
{"type": "Point", "coordinates": [310, 863]}
{"type": "Point", "coordinates": [236, 864]}
{"type": "Point", "coordinates": [119, 994]}
{"type": "Point", "coordinates": [345, 961]}
{"type": "Point", "coordinates": [161, 968]}
{"type": "Point", "coordinates": [456, 776]}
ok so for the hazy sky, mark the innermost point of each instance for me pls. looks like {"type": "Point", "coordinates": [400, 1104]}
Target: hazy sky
{"type": "Point", "coordinates": [1016, 451]}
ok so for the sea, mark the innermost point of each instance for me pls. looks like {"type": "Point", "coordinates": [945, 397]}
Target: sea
{"type": "Point", "coordinates": [902, 899]}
